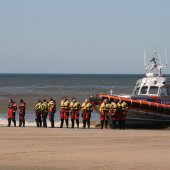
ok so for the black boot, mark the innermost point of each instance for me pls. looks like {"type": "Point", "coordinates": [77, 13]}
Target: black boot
{"type": "Point", "coordinates": [77, 122]}
{"type": "Point", "coordinates": [102, 124]}
{"type": "Point", "coordinates": [37, 123]}
{"type": "Point", "coordinates": [106, 124]}
{"type": "Point", "coordinates": [24, 122]}
{"type": "Point", "coordinates": [84, 124]}
{"type": "Point", "coordinates": [123, 124]}
{"type": "Point", "coordinates": [114, 124]}
{"type": "Point", "coordinates": [45, 124]}
{"type": "Point", "coordinates": [9, 122]}
{"type": "Point", "coordinates": [14, 122]}
{"type": "Point", "coordinates": [40, 120]}
{"type": "Point", "coordinates": [66, 120]}
{"type": "Point", "coordinates": [20, 122]}
{"type": "Point", "coordinates": [52, 124]}
{"type": "Point", "coordinates": [62, 122]}
{"type": "Point", "coordinates": [40, 123]}
{"type": "Point", "coordinates": [88, 124]}
{"type": "Point", "coordinates": [120, 124]}
{"type": "Point", "coordinates": [72, 121]}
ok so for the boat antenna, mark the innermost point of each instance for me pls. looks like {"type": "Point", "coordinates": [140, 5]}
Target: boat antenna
{"type": "Point", "coordinates": [166, 58]}
{"type": "Point", "coordinates": [145, 59]}
{"type": "Point", "coordinates": [111, 92]}
{"type": "Point", "coordinates": [160, 66]}
{"type": "Point", "coordinates": [155, 64]}
{"type": "Point", "coordinates": [160, 59]}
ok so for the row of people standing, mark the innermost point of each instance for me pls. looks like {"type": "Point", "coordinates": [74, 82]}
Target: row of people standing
{"type": "Point", "coordinates": [42, 110]}
{"type": "Point", "coordinates": [73, 109]}
{"type": "Point", "coordinates": [67, 109]}
{"type": "Point", "coordinates": [116, 110]}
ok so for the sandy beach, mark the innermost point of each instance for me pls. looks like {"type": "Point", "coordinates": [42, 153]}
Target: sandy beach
{"type": "Point", "coordinates": [33, 148]}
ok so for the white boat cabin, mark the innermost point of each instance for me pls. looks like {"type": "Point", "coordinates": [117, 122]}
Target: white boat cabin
{"type": "Point", "coordinates": [154, 84]}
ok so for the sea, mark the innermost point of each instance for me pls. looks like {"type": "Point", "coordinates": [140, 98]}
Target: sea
{"type": "Point", "coordinates": [31, 87]}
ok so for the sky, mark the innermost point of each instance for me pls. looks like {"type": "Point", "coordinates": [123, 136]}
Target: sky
{"type": "Point", "coordinates": [82, 36]}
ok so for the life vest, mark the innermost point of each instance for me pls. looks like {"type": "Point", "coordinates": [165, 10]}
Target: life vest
{"type": "Point", "coordinates": [38, 107]}
{"type": "Point", "coordinates": [22, 105]}
{"type": "Point", "coordinates": [125, 106]}
{"type": "Point", "coordinates": [113, 107]}
{"type": "Point", "coordinates": [104, 107]}
{"type": "Point", "coordinates": [22, 109]}
{"type": "Point", "coordinates": [44, 107]}
{"type": "Point", "coordinates": [122, 109]}
{"type": "Point", "coordinates": [64, 114]}
{"type": "Point", "coordinates": [75, 106]}
{"type": "Point", "coordinates": [114, 111]}
{"type": "Point", "coordinates": [83, 106]}
{"type": "Point", "coordinates": [51, 106]}
{"type": "Point", "coordinates": [104, 111]}
{"type": "Point", "coordinates": [89, 107]}
{"type": "Point", "coordinates": [65, 105]}
{"type": "Point", "coordinates": [14, 106]}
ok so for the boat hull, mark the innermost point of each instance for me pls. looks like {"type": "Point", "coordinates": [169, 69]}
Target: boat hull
{"type": "Point", "coordinates": [141, 114]}
{"type": "Point", "coordinates": [146, 120]}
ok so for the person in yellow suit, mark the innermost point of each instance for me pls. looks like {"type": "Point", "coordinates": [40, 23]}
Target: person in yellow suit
{"type": "Point", "coordinates": [104, 113]}
{"type": "Point", "coordinates": [122, 110]}
{"type": "Point", "coordinates": [75, 108]}
{"type": "Point", "coordinates": [64, 112]}
{"type": "Point", "coordinates": [87, 109]}
{"type": "Point", "coordinates": [38, 113]}
{"type": "Point", "coordinates": [51, 111]}
{"type": "Point", "coordinates": [114, 112]}
{"type": "Point", "coordinates": [44, 112]}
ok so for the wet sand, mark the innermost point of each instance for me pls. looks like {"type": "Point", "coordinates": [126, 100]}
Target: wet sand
{"type": "Point", "coordinates": [33, 148]}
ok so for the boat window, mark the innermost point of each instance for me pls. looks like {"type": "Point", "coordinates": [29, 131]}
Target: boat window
{"type": "Point", "coordinates": [165, 91]}
{"type": "Point", "coordinates": [144, 90]}
{"type": "Point", "coordinates": [153, 90]}
{"type": "Point", "coordinates": [168, 91]}
{"type": "Point", "coordinates": [137, 91]}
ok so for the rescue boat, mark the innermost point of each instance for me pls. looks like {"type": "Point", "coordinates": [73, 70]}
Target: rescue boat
{"type": "Point", "coordinates": [150, 101]}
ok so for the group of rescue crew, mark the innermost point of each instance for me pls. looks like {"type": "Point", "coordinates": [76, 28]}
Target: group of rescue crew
{"type": "Point", "coordinates": [68, 109]}
{"type": "Point", "coordinates": [42, 110]}
{"type": "Point", "coordinates": [12, 108]}
{"type": "Point", "coordinates": [116, 110]}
